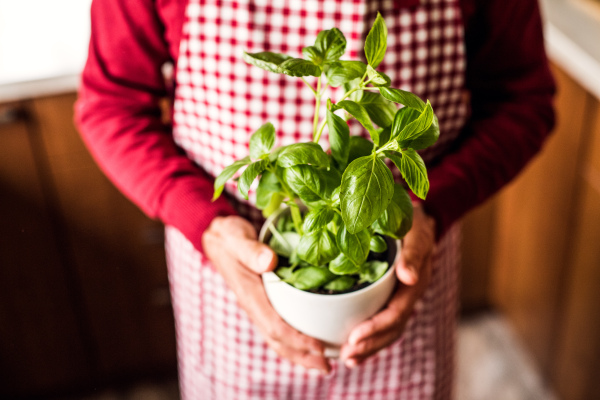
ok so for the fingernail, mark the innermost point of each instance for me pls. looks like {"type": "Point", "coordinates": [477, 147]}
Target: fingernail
{"type": "Point", "coordinates": [264, 259]}
{"type": "Point", "coordinates": [354, 338]}
{"type": "Point", "coordinates": [413, 272]}
{"type": "Point", "coordinates": [350, 363]}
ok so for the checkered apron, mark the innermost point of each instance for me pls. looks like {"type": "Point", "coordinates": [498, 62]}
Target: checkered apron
{"type": "Point", "coordinates": [220, 101]}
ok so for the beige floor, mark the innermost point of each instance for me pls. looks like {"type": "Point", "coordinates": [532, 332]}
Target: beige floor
{"type": "Point", "coordinates": [492, 365]}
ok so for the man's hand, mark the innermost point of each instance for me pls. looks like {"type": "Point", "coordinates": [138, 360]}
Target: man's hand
{"type": "Point", "coordinates": [230, 243]}
{"type": "Point", "coordinates": [414, 271]}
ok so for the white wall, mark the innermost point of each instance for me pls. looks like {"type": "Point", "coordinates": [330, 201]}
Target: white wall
{"type": "Point", "coordinates": [42, 39]}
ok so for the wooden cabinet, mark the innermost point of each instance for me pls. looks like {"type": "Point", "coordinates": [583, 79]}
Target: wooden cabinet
{"type": "Point", "coordinates": [84, 293]}
{"type": "Point", "coordinates": [537, 247]}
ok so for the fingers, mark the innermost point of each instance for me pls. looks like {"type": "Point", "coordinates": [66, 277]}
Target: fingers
{"type": "Point", "coordinates": [390, 317]}
{"type": "Point", "coordinates": [305, 358]}
{"type": "Point", "coordinates": [237, 237]}
{"type": "Point", "coordinates": [417, 247]}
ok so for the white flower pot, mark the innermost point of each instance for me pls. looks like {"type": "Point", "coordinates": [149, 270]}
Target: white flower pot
{"type": "Point", "coordinates": [327, 317]}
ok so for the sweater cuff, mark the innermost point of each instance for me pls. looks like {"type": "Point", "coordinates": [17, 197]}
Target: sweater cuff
{"type": "Point", "coordinates": [191, 213]}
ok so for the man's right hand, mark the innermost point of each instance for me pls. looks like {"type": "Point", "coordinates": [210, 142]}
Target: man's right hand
{"type": "Point", "coordinates": [230, 244]}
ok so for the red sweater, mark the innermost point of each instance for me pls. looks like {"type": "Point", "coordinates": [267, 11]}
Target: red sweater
{"type": "Point", "coordinates": [510, 87]}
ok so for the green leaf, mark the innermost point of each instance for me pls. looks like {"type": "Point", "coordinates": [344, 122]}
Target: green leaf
{"type": "Point", "coordinates": [342, 265]}
{"type": "Point", "coordinates": [341, 284]}
{"type": "Point", "coordinates": [274, 204]}
{"type": "Point", "coordinates": [227, 174]}
{"type": "Point", "coordinates": [313, 54]}
{"type": "Point", "coordinates": [414, 172]}
{"type": "Point", "coordinates": [378, 78]}
{"type": "Point", "coordinates": [415, 128]}
{"type": "Point", "coordinates": [299, 67]}
{"type": "Point", "coordinates": [331, 43]}
{"type": "Point", "coordinates": [342, 72]}
{"type": "Point", "coordinates": [318, 218]}
{"type": "Point", "coordinates": [249, 175]}
{"type": "Point", "coordinates": [306, 182]}
{"type": "Point", "coordinates": [318, 247]}
{"type": "Point", "coordinates": [359, 147]}
{"type": "Point", "coordinates": [339, 138]}
{"type": "Point", "coordinates": [427, 138]}
{"type": "Point", "coordinates": [367, 188]}
{"type": "Point", "coordinates": [403, 97]}
{"type": "Point", "coordinates": [262, 141]}
{"type": "Point", "coordinates": [377, 243]}
{"type": "Point", "coordinates": [284, 272]}
{"type": "Point", "coordinates": [308, 278]}
{"type": "Point", "coordinates": [303, 153]}
{"type": "Point", "coordinates": [376, 42]}
{"type": "Point", "coordinates": [361, 115]}
{"type": "Point", "coordinates": [373, 270]}
{"type": "Point", "coordinates": [266, 60]}
{"type": "Point", "coordinates": [396, 220]}
{"type": "Point", "coordinates": [355, 96]}
{"type": "Point", "coordinates": [380, 110]}
{"type": "Point", "coordinates": [267, 186]}
{"type": "Point", "coordinates": [402, 119]}
{"type": "Point", "coordinates": [331, 179]}
{"type": "Point", "coordinates": [284, 243]}
{"type": "Point", "coordinates": [355, 246]}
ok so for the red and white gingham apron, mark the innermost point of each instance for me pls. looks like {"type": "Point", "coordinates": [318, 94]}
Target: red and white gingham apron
{"type": "Point", "coordinates": [220, 101]}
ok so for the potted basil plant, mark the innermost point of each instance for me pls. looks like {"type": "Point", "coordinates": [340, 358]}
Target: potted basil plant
{"type": "Point", "coordinates": [335, 218]}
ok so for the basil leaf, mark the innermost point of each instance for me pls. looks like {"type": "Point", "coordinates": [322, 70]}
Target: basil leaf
{"type": "Point", "coordinates": [355, 96]}
{"type": "Point", "coordinates": [341, 284]}
{"type": "Point", "coordinates": [318, 218]}
{"type": "Point", "coordinates": [308, 278]}
{"type": "Point", "coordinates": [361, 115]}
{"type": "Point", "coordinates": [376, 42]}
{"type": "Point", "coordinates": [318, 247]}
{"type": "Point", "coordinates": [377, 243]}
{"type": "Point", "coordinates": [366, 190]}
{"type": "Point", "coordinates": [331, 179]}
{"type": "Point", "coordinates": [303, 153]}
{"type": "Point", "coordinates": [355, 246]}
{"type": "Point", "coordinates": [267, 186]}
{"type": "Point", "coordinates": [403, 97]}
{"type": "Point", "coordinates": [414, 172]}
{"type": "Point", "coordinates": [373, 270]}
{"type": "Point", "coordinates": [266, 60]}
{"type": "Point", "coordinates": [339, 138]}
{"type": "Point", "coordinates": [344, 71]}
{"type": "Point", "coordinates": [331, 43]}
{"type": "Point", "coordinates": [313, 54]}
{"type": "Point", "coordinates": [284, 272]}
{"type": "Point", "coordinates": [427, 138]}
{"type": "Point", "coordinates": [377, 78]}
{"type": "Point", "coordinates": [359, 147]}
{"type": "Point", "coordinates": [334, 224]}
{"type": "Point", "coordinates": [284, 243]}
{"type": "Point", "coordinates": [227, 174]}
{"type": "Point", "coordinates": [249, 175]}
{"type": "Point", "coordinates": [261, 141]}
{"type": "Point", "coordinates": [418, 126]}
{"type": "Point", "coordinates": [380, 110]}
{"type": "Point", "coordinates": [396, 220]}
{"type": "Point", "coordinates": [298, 67]}
{"type": "Point", "coordinates": [402, 119]}
{"type": "Point", "coordinates": [342, 265]}
{"type": "Point", "coordinates": [384, 135]}
{"type": "Point", "coordinates": [274, 204]}
{"type": "Point", "coordinates": [306, 182]}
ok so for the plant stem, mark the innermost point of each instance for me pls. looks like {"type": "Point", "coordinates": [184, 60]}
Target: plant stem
{"type": "Point", "coordinates": [309, 85]}
{"type": "Point", "coordinates": [360, 86]}
{"type": "Point", "coordinates": [296, 216]}
{"type": "Point", "coordinates": [317, 107]}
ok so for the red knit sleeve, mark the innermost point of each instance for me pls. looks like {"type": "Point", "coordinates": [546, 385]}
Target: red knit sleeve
{"type": "Point", "coordinates": [511, 91]}
{"type": "Point", "coordinates": [119, 119]}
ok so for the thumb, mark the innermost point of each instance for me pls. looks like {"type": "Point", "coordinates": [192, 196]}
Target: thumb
{"type": "Point", "coordinates": [256, 256]}
{"type": "Point", "coordinates": [409, 264]}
